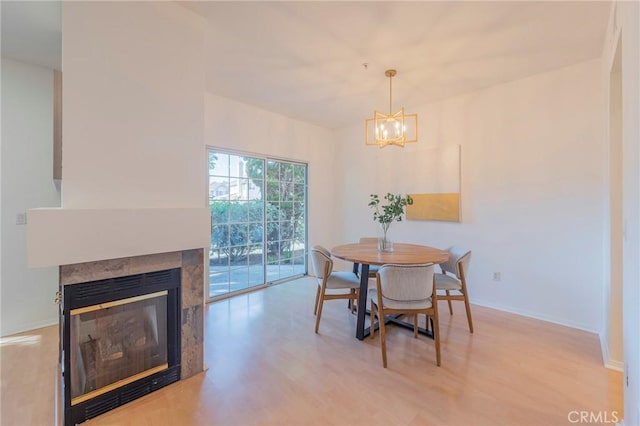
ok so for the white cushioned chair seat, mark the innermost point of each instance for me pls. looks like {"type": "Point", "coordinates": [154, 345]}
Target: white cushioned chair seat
{"type": "Point", "coordinates": [447, 282]}
{"type": "Point", "coordinates": [400, 304]}
{"type": "Point", "coordinates": [342, 280]}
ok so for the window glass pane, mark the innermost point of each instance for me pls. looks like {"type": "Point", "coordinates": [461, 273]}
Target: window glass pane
{"type": "Point", "coordinates": [286, 210]}
{"type": "Point", "coordinates": [238, 237]}
{"type": "Point", "coordinates": [273, 191]}
{"type": "Point", "coordinates": [237, 189]}
{"type": "Point", "coordinates": [218, 257]}
{"type": "Point", "coordinates": [286, 231]}
{"type": "Point", "coordinates": [299, 231]}
{"type": "Point", "coordinates": [273, 171]}
{"type": "Point", "coordinates": [255, 255]}
{"type": "Point", "coordinates": [219, 236]}
{"type": "Point", "coordinates": [218, 282]}
{"type": "Point", "coordinates": [286, 172]}
{"type": "Point", "coordinates": [218, 164]}
{"type": "Point", "coordinates": [219, 212]}
{"type": "Point", "coordinates": [298, 265]}
{"type": "Point", "coordinates": [298, 192]}
{"type": "Point", "coordinates": [243, 188]}
{"type": "Point", "coordinates": [237, 166]}
{"type": "Point", "coordinates": [238, 279]}
{"type": "Point", "coordinates": [218, 188]}
{"type": "Point", "coordinates": [255, 232]}
{"type": "Point", "coordinates": [299, 175]}
{"type": "Point", "coordinates": [255, 168]}
{"type": "Point", "coordinates": [256, 275]}
{"type": "Point", "coordinates": [285, 251]}
{"type": "Point", "coordinates": [273, 272]}
{"type": "Point", "coordinates": [273, 230]}
{"type": "Point", "coordinates": [255, 189]}
{"type": "Point", "coordinates": [238, 211]}
{"type": "Point", "coordinates": [286, 191]}
{"type": "Point", "coordinates": [256, 211]}
{"type": "Point", "coordinates": [298, 246]}
{"type": "Point", "coordinates": [273, 251]}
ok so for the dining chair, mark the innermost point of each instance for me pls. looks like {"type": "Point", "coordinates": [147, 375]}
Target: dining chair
{"type": "Point", "coordinates": [373, 269]}
{"type": "Point", "coordinates": [328, 279]}
{"type": "Point", "coordinates": [408, 290]}
{"type": "Point", "coordinates": [454, 279]}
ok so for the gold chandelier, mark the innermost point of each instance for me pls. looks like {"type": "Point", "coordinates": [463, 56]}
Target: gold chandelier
{"type": "Point", "coordinates": [391, 129]}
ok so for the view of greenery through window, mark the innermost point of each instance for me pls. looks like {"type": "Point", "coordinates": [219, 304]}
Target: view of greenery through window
{"type": "Point", "coordinates": [258, 221]}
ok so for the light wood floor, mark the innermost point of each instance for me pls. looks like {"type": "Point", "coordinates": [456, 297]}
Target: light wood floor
{"type": "Point", "coordinates": [266, 366]}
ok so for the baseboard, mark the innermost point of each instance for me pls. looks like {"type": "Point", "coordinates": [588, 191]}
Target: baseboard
{"type": "Point", "coordinates": [615, 365]}
{"type": "Point", "coordinates": [606, 357]}
{"type": "Point", "coordinates": [534, 316]}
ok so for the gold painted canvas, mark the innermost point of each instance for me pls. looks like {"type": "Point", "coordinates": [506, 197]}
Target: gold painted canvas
{"type": "Point", "coordinates": [435, 206]}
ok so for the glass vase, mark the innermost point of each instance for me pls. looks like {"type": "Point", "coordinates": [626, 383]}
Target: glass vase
{"type": "Point", "coordinates": [384, 243]}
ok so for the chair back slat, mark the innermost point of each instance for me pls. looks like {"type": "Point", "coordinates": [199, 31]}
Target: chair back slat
{"type": "Point", "coordinates": [319, 258]}
{"type": "Point", "coordinates": [458, 258]}
{"type": "Point", "coordinates": [406, 282]}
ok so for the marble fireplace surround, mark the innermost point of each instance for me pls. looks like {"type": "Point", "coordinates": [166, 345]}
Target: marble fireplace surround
{"type": "Point", "coordinates": [191, 263]}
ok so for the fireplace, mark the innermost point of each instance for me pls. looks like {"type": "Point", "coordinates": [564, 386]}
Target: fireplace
{"type": "Point", "coordinates": [128, 328]}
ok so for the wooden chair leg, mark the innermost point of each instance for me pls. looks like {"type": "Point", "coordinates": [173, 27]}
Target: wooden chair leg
{"type": "Point", "coordinates": [373, 321]}
{"type": "Point", "coordinates": [319, 312]}
{"type": "Point", "coordinates": [436, 337]}
{"type": "Point", "coordinates": [468, 308]}
{"type": "Point", "coordinates": [415, 326]}
{"type": "Point", "coordinates": [383, 337]}
{"type": "Point", "coordinates": [315, 307]}
{"type": "Point", "coordinates": [449, 302]}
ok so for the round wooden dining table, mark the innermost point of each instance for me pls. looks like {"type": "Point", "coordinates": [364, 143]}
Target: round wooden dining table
{"type": "Point", "coordinates": [366, 254]}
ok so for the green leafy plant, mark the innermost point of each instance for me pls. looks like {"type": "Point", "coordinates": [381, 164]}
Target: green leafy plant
{"type": "Point", "coordinates": [390, 212]}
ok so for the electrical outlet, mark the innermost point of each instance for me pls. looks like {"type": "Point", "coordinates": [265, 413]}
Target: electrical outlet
{"type": "Point", "coordinates": [497, 276]}
{"type": "Point", "coordinates": [21, 219]}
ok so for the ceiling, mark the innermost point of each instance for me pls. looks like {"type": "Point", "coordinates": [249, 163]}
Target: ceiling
{"type": "Point", "coordinates": [305, 59]}
{"type": "Point", "coordinates": [31, 32]}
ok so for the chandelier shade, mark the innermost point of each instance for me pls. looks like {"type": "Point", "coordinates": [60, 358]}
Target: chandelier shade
{"type": "Point", "coordinates": [392, 128]}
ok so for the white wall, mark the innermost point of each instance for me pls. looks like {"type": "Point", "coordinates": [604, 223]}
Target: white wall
{"type": "Point", "coordinates": [133, 95]}
{"type": "Point", "coordinates": [27, 181]}
{"type": "Point", "coordinates": [624, 25]}
{"type": "Point", "coordinates": [532, 191]}
{"type": "Point", "coordinates": [237, 126]}
{"type": "Point", "coordinates": [133, 84]}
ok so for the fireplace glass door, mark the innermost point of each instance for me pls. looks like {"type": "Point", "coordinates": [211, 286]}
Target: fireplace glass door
{"type": "Point", "coordinates": [115, 343]}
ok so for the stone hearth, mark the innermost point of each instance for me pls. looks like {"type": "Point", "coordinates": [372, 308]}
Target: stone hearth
{"type": "Point", "coordinates": [191, 263]}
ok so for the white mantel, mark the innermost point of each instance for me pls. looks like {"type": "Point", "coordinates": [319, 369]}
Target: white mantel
{"type": "Point", "coordinates": [59, 236]}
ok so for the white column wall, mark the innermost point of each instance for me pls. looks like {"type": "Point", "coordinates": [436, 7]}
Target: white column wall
{"type": "Point", "coordinates": [27, 181]}
{"type": "Point", "coordinates": [237, 126]}
{"type": "Point", "coordinates": [532, 191]}
{"type": "Point", "coordinates": [624, 24]}
{"type": "Point", "coordinates": [133, 96]}
{"type": "Point", "coordinates": [133, 83]}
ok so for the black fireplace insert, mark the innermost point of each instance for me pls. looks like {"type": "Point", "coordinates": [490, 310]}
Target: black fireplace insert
{"type": "Point", "coordinates": [120, 341]}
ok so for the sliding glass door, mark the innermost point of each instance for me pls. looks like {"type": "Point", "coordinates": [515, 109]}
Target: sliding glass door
{"type": "Point", "coordinates": [286, 219]}
{"type": "Point", "coordinates": [258, 221]}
